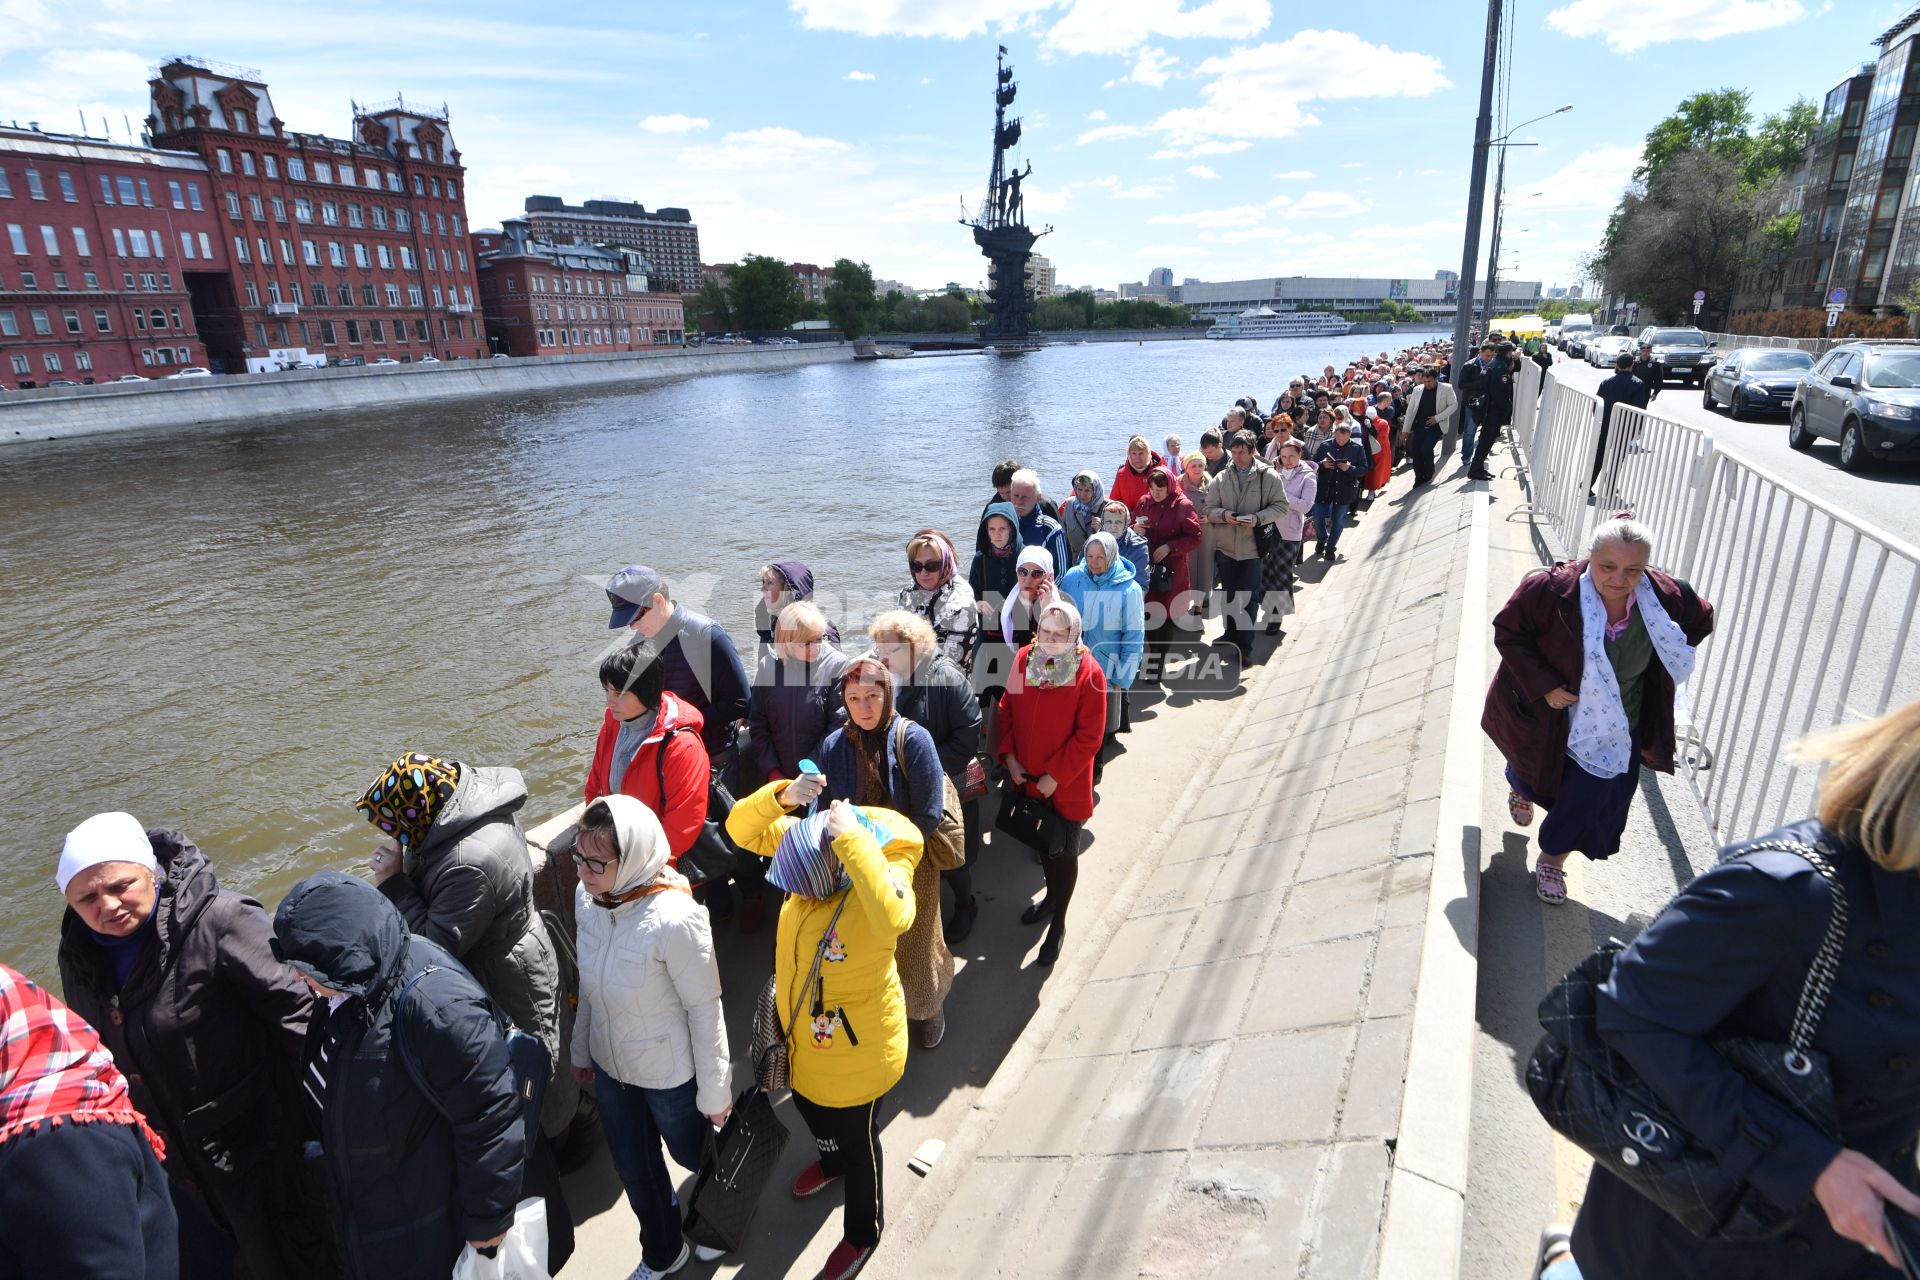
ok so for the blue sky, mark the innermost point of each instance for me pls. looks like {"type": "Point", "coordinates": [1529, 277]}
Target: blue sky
{"type": "Point", "coordinates": [1223, 139]}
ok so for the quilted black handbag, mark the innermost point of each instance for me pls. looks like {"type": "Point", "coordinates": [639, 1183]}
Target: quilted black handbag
{"type": "Point", "coordinates": [1589, 1094]}
{"type": "Point", "coordinates": [1029, 819]}
{"type": "Point", "coordinates": [738, 1166]}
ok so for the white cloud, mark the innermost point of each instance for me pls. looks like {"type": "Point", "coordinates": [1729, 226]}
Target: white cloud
{"type": "Point", "coordinates": [1097, 114]}
{"type": "Point", "coordinates": [770, 148]}
{"type": "Point", "coordinates": [1592, 180]}
{"type": "Point", "coordinates": [1145, 191]}
{"type": "Point", "coordinates": [1264, 91]}
{"type": "Point", "coordinates": [1220, 148]}
{"type": "Point", "coordinates": [1110, 133]}
{"type": "Point", "coordinates": [674, 124]}
{"type": "Point", "coordinates": [1632, 25]}
{"type": "Point", "coordinates": [1116, 26]}
{"type": "Point", "coordinates": [859, 75]}
{"type": "Point", "coordinates": [1200, 171]}
{"type": "Point", "coordinates": [1239, 215]}
{"type": "Point", "coordinates": [1293, 175]}
{"type": "Point", "coordinates": [1333, 204]}
{"type": "Point", "coordinates": [926, 79]}
{"type": "Point", "coordinates": [946, 19]}
{"type": "Point", "coordinates": [1041, 200]}
{"type": "Point", "coordinates": [1152, 67]}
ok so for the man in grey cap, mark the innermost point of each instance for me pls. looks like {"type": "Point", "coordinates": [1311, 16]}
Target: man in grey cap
{"type": "Point", "coordinates": [702, 666]}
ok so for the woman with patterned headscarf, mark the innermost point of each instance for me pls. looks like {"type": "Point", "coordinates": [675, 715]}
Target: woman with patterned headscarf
{"type": "Point", "coordinates": [938, 593]}
{"type": "Point", "coordinates": [457, 867]}
{"type": "Point", "coordinates": [848, 875]}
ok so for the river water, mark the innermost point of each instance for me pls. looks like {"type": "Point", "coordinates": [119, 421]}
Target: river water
{"type": "Point", "coordinates": [231, 630]}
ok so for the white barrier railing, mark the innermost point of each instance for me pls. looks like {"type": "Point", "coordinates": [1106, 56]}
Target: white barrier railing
{"type": "Point", "coordinates": [1814, 609]}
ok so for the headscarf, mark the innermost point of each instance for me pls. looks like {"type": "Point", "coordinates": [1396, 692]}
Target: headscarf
{"type": "Point", "coordinates": [1082, 518]}
{"type": "Point", "coordinates": [405, 799]}
{"type": "Point", "coordinates": [1174, 491]}
{"type": "Point", "coordinates": [1056, 671]}
{"type": "Point", "coordinates": [642, 845]}
{"type": "Point", "coordinates": [949, 561]}
{"type": "Point", "coordinates": [870, 745]}
{"type": "Point", "coordinates": [1038, 556]}
{"type": "Point", "coordinates": [799, 580]}
{"type": "Point", "coordinates": [1005, 510]}
{"type": "Point", "coordinates": [804, 862]}
{"type": "Point", "coordinates": [1108, 543]}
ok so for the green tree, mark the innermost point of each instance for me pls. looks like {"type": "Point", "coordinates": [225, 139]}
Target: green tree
{"type": "Point", "coordinates": [1780, 141]}
{"type": "Point", "coordinates": [850, 301]}
{"type": "Point", "coordinates": [762, 293]}
{"type": "Point", "coordinates": [710, 304]}
{"type": "Point", "coordinates": [948, 313]}
{"type": "Point", "coordinates": [1716, 119]}
{"type": "Point", "coordinates": [889, 310]}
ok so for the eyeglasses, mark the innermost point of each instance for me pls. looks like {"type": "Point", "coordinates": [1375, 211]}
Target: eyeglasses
{"type": "Point", "coordinates": [596, 865]}
{"type": "Point", "coordinates": [924, 566]}
{"type": "Point", "coordinates": [1030, 571]}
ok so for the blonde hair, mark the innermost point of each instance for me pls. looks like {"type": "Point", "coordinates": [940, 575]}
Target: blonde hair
{"type": "Point", "coordinates": [800, 621]}
{"type": "Point", "coordinates": [1870, 793]}
{"type": "Point", "coordinates": [905, 626]}
{"type": "Point", "coordinates": [1142, 441]}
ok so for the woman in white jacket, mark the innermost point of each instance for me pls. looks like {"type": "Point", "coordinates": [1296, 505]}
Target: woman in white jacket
{"type": "Point", "coordinates": [649, 1035]}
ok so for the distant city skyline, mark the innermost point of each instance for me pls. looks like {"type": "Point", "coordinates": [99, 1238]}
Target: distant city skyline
{"type": "Point", "coordinates": [1226, 140]}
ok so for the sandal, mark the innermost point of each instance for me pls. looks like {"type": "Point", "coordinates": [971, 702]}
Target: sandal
{"type": "Point", "coordinates": [1520, 809]}
{"type": "Point", "coordinates": [1550, 883]}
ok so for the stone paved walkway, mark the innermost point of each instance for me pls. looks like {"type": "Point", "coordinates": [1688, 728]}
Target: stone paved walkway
{"type": "Point", "coordinates": [1215, 1086]}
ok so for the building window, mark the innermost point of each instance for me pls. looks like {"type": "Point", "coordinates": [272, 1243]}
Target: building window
{"type": "Point", "coordinates": [233, 204]}
{"type": "Point", "coordinates": [9, 324]}
{"type": "Point", "coordinates": [393, 179]}
{"type": "Point", "coordinates": [406, 257]}
{"type": "Point", "coordinates": [419, 329]}
{"type": "Point", "coordinates": [436, 295]}
{"type": "Point", "coordinates": [193, 196]}
{"type": "Point", "coordinates": [271, 165]}
{"type": "Point", "coordinates": [369, 296]}
{"type": "Point", "coordinates": [336, 253]}
{"type": "Point", "coordinates": [72, 320]}
{"type": "Point", "coordinates": [146, 193]}
{"type": "Point", "coordinates": [147, 281]}
{"type": "Point", "coordinates": [174, 314]}
{"type": "Point", "coordinates": [35, 187]}
{"type": "Point", "coordinates": [286, 253]}
{"type": "Point", "coordinates": [345, 294]}
{"type": "Point", "coordinates": [266, 251]}
{"type": "Point", "coordinates": [353, 333]}
{"type": "Point", "coordinates": [402, 220]}
{"type": "Point", "coordinates": [158, 318]}
{"type": "Point", "coordinates": [322, 171]}
{"type": "Point", "coordinates": [297, 169]}
{"type": "Point", "coordinates": [80, 245]}
{"type": "Point", "coordinates": [413, 298]}
{"type": "Point", "coordinates": [379, 328]}
{"type": "Point", "coordinates": [102, 322]}
{"type": "Point", "coordinates": [41, 325]}
{"type": "Point", "coordinates": [83, 360]}
{"type": "Point", "coordinates": [223, 160]}
{"type": "Point", "coordinates": [22, 365]}
{"type": "Point", "coordinates": [293, 291]}
{"type": "Point", "coordinates": [60, 281]}
{"type": "Point", "coordinates": [246, 163]}
{"type": "Point", "coordinates": [327, 336]}
{"type": "Point", "coordinates": [67, 192]}
{"type": "Point", "coordinates": [279, 209]}
{"type": "Point", "coordinates": [176, 195]}
{"type": "Point", "coordinates": [6, 187]}
{"type": "Point", "coordinates": [513, 286]}
{"type": "Point", "coordinates": [329, 213]}
{"type": "Point", "coordinates": [360, 258]}
{"type": "Point", "coordinates": [386, 256]}
{"type": "Point", "coordinates": [302, 210]}
{"type": "Point", "coordinates": [52, 362]}
{"type": "Point", "coordinates": [256, 208]}
{"type": "Point", "coordinates": [240, 249]}
{"type": "Point", "coordinates": [310, 253]}
{"type": "Point", "coordinates": [354, 216]}
{"type": "Point", "coordinates": [206, 245]}
{"type": "Point", "coordinates": [93, 281]}
{"type": "Point", "coordinates": [273, 291]}
{"type": "Point", "coordinates": [379, 213]}
{"type": "Point", "coordinates": [456, 224]}
{"type": "Point", "coordinates": [393, 295]}
{"type": "Point", "coordinates": [253, 295]}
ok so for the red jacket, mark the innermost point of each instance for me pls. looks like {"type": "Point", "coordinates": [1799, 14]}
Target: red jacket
{"type": "Point", "coordinates": [1538, 634]}
{"type": "Point", "coordinates": [1173, 524]}
{"type": "Point", "coordinates": [1130, 486]}
{"type": "Point", "coordinates": [1057, 731]}
{"type": "Point", "coordinates": [684, 811]}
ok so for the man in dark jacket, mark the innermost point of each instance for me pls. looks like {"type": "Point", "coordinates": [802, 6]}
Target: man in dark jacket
{"type": "Point", "coordinates": [702, 665]}
{"type": "Point", "coordinates": [209, 1029]}
{"type": "Point", "coordinates": [1472, 385]}
{"type": "Point", "coordinates": [1648, 372]}
{"type": "Point", "coordinates": [1496, 409]}
{"type": "Point", "coordinates": [408, 1075]}
{"type": "Point", "coordinates": [1624, 387]}
{"type": "Point", "coordinates": [1003, 474]}
{"type": "Point", "coordinates": [1341, 464]}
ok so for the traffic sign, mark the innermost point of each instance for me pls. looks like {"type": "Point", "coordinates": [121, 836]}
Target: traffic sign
{"type": "Point", "coordinates": [1697, 303]}
{"type": "Point", "coordinates": [1838, 297]}
{"type": "Point", "coordinates": [1699, 295]}
{"type": "Point", "coordinates": [1833, 314]}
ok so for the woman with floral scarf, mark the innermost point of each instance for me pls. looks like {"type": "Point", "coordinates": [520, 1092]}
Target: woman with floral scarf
{"type": "Point", "coordinates": [938, 593]}
{"type": "Point", "coordinates": [1052, 719]}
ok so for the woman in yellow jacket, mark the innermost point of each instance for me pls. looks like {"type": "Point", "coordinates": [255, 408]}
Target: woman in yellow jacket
{"type": "Point", "coordinates": [848, 1039]}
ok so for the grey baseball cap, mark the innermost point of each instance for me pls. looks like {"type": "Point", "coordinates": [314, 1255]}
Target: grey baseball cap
{"type": "Point", "coordinates": [629, 591]}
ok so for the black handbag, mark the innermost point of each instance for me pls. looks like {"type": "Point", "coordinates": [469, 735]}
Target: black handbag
{"type": "Point", "coordinates": [1267, 540]}
{"type": "Point", "coordinates": [1592, 1096]}
{"type": "Point", "coordinates": [734, 1176]}
{"type": "Point", "coordinates": [1160, 575]}
{"type": "Point", "coordinates": [713, 856]}
{"type": "Point", "coordinates": [1029, 819]}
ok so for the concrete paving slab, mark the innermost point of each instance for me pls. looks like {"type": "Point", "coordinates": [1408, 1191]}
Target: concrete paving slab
{"type": "Point", "coordinates": [1346, 1235]}
{"type": "Point", "coordinates": [1144, 944]}
{"type": "Point", "coordinates": [1243, 931]}
{"type": "Point", "coordinates": [1276, 1089]}
{"type": "Point", "coordinates": [1396, 972]}
{"type": "Point", "coordinates": [1378, 1079]}
{"type": "Point", "coordinates": [1050, 1117]}
{"type": "Point", "coordinates": [1199, 1004]}
{"type": "Point", "coordinates": [1333, 907]}
{"type": "Point", "coordinates": [1177, 891]}
{"type": "Point", "coordinates": [993, 1216]}
{"type": "Point", "coordinates": [1104, 1017]}
{"type": "Point", "coordinates": [1309, 986]}
{"type": "Point", "coordinates": [1332, 850]}
{"type": "Point", "coordinates": [1256, 869]}
{"type": "Point", "coordinates": [1157, 1100]}
{"type": "Point", "coordinates": [1102, 1218]}
{"type": "Point", "coordinates": [1239, 1213]}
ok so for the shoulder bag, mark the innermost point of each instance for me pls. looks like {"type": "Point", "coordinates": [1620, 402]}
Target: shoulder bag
{"type": "Point", "coordinates": [773, 1036]}
{"type": "Point", "coordinates": [713, 856]}
{"type": "Point", "coordinates": [1266, 537]}
{"type": "Point", "coordinates": [1591, 1095]}
{"type": "Point", "coordinates": [947, 846]}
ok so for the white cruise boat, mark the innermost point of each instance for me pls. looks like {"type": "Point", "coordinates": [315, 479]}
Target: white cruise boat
{"type": "Point", "coordinates": [1265, 322]}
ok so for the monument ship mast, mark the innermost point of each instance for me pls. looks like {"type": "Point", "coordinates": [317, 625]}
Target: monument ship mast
{"type": "Point", "coordinates": [1001, 228]}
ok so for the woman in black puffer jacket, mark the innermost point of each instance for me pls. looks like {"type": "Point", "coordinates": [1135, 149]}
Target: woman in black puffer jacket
{"type": "Point", "coordinates": [178, 977]}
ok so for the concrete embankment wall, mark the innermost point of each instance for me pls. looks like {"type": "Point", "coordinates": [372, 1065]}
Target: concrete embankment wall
{"type": "Point", "coordinates": [52, 413]}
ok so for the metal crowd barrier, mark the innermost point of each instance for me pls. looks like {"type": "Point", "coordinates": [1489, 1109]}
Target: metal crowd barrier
{"type": "Point", "coordinates": [1814, 609]}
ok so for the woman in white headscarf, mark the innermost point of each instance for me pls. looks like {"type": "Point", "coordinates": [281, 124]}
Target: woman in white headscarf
{"type": "Point", "coordinates": [649, 1037]}
{"type": "Point", "coordinates": [1033, 587]}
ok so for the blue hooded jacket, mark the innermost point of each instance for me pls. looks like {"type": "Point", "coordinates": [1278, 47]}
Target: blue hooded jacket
{"type": "Point", "coordinates": [1113, 612]}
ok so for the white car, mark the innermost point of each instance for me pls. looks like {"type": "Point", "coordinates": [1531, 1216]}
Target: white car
{"type": "Point", "coordinates": [428, 360]}
{"type": "Point", "coordinates": [384, 360]}
{"type": "Point", "coordinates": [499, 355]}
{"type": "Point", "coordinates": [191, 371]}
{"type": "Point", "coordinates": [129, 377]}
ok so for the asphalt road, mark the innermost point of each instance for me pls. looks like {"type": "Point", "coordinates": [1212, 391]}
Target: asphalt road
{"type": "Point", "coordinates": [1888, 497]}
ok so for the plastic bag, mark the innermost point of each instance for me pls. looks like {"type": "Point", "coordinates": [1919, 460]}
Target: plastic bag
{"type": "Point", "coordinates": [521, 1256]}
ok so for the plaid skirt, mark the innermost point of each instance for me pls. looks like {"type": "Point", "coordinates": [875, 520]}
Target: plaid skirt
{"type": "Point", "coordinates": [1276, 572]}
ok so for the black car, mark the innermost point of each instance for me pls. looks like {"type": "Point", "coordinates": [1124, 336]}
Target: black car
{"type": "Point", "coordinates": [1755, 380]}
{"type": "Point", "coordinates": [1679, 355]}
{"type": "Point", "coordinates": [1866, 395]}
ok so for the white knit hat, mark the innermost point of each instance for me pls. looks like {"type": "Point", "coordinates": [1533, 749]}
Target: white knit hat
{"type": "Point", "coordinates": [105, 837]}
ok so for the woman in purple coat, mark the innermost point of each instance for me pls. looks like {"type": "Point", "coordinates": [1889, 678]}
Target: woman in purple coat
{"type": "Point", "coordinates": [1591, 654]}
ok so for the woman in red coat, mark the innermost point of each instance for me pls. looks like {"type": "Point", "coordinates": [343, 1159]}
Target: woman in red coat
{"type": "Point", "coordinates": [1591, 654]}
{"type": "Point", "coordinates": [1130, 481]}
{"type": "Point", "coordinates": [1053, 717]}
{"type": "Point", "coordinates": [1379, 442]}
{"type": "Point", "coordinates": [1171, 526]}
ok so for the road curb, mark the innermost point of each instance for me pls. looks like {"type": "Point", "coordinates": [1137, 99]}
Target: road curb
{"type": "Point", "coordinates": [1422, 1233]}
{"type": "Point", "coordinates": [905, 1236]}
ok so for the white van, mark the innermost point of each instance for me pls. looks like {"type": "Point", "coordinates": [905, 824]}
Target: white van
{"type": "Point", "coordinates": [1575, 326]}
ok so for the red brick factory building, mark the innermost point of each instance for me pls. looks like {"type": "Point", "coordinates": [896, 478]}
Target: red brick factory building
{"type": "Point", "coordinates": [545, 299]}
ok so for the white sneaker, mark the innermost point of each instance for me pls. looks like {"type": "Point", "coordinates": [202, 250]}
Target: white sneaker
{"type": "Point", "coordinates": [645, 1272]}
{"type": "Point", "coordinates": [707, 1253]}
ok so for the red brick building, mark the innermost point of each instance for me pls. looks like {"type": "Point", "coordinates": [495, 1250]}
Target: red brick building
{"type": "Point", "coordinates": [336, 247]}
{"type": "Point", "coordinates": [543, 299]}
{"type": "Point", "coordinates": [103, 249]}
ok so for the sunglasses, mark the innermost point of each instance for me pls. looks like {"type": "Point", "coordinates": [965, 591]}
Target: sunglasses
{"type": "Point", "coordinates": [1030, 572]}
{"type": "Point", "coordinates": [924, 566]}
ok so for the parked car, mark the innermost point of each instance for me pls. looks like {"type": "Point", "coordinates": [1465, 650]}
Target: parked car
{"type": "Point", "coordinates": [1866, 395]}
{"type": "Point", "coordinates": [191, 371]}
{"type": "Point", "coordinates": [1755, 379]}
{"type": "Point", "coordinates": [1682, 355]}
{"type": "Point", "coordinates": [428, 360]}
{"type": "Point", "coordinates": [386, 360]}
{"type": "Point", "coordinates": [62, 382]}
{"type": "Point", "coordinates": [350, 362]}
{"type": "Point", "coordinates": [1574, 343]}
{"type": "Point", "coordinates": [129, 377]}
{"type": "Point", "coordinates": [1601, 351]}
{"type": "Point", "coordinates": [499, 355]}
